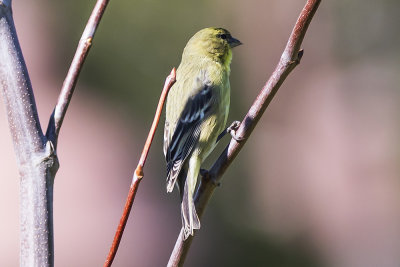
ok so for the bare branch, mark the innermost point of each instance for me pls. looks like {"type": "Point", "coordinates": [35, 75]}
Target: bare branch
{"type": "Point", "coordinates": [36, 154]}
{"type": "Point", "coordinates": [36, 160]}
{"type": "Point", "coordinates": [169, 81]}
{"type": "Point", "coordinates": [17, 89]}
{"type": "Point", "coordinates": [289, 60]}
{"type": "Point", "coordinates": [138, 175]}
{"type": "Point", "coordinates": [68, 87]}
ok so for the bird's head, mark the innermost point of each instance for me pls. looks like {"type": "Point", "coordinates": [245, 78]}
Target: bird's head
{"type": "Point", "coordinates": [215, 43]}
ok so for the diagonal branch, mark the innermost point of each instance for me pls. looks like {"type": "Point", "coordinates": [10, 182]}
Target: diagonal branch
{"type": "Point", "coordinates": [68, 87]}
{"type": "Point", "coordinates": [138, 175]}
{"type": "Point", "coordinates": [289, 60]}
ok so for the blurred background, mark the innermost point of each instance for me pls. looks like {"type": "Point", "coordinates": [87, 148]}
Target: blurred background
{"type": "Point", "coordinates": [317, 184]}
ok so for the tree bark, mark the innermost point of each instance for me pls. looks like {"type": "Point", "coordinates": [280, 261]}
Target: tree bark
{"type": "Point", "coordinates": [36, 153]}
{"type": "Point", "coordinates": [37, 163]}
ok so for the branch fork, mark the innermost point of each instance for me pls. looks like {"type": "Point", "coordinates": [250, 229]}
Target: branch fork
{"type": "Point", "coordinates": [36, 153]}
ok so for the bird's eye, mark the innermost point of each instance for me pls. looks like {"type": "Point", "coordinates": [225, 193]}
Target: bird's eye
{"type": "Point", "coordinates": [222, 36]}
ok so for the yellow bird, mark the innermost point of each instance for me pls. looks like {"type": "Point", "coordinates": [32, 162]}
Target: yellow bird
{"type": "Point", "coordinates": [196, 112]}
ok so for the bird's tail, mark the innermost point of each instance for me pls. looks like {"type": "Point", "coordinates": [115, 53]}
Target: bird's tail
{"type": "Point", "coordinates": [190, 220]}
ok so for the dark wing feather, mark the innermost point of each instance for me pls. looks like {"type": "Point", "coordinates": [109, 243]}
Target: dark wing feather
{"type": "Point", "coordinates": [187, 132]}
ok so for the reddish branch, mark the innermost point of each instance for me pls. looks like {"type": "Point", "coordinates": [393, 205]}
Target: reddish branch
{"type": "Point", "coordinates": [289, 60]}
{"type": "Point", "coordinates": [138, 174]}
{"type": "Point", "coordinates": [68, 87]}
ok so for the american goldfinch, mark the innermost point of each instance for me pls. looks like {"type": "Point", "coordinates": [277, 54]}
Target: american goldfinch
{"type": "Point", "coordinates": [196, 112]}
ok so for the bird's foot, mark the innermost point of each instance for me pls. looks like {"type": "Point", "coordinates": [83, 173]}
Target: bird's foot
{"type": "Point", "coordinates": [232, 131]}
{"type": "Point", "coordinates": [206, 176]}
{"type": "Point", "coordinates": [204, 173]}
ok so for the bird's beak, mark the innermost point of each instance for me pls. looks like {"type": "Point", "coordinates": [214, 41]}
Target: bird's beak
{"type": "Point", "coordinates": [234, 42]}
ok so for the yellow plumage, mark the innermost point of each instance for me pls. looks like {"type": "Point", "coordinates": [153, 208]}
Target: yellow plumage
{"type": "Point", "coordinates": [196, 113]}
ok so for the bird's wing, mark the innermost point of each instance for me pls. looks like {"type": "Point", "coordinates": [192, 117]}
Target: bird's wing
{"type": "Point", "coordinates": [166, 138]}
{"type": "Point", "coordinates": [187, 130]}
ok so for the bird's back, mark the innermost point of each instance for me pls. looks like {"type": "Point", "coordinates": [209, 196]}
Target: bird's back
{"type": "Point", "coordinates": [187, 86]}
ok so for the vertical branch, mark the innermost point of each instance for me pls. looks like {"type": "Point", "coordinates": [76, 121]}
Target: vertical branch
{"type": "Point", "coordinates": [290, 58]}
{"type": "Point", "coordinates": [35, 157]}
{"type": "Point", "coordinates": [68, 87]}
{"type": "Point", "coordinates": [17, 90]}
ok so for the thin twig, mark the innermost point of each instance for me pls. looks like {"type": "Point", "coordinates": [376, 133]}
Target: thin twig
{"type": "Point", "coordinates": [138, 174]}
{"type": "Point", "coordinates": [289, 60]}
{"type": "Point", "coordinates": [68, 87]}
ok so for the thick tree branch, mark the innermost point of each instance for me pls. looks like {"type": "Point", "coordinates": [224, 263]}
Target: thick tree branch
{"type": "Point", "coordinates": [68, 87]}
{"type": "Point", "coordinates": [36, 155]}
{"type": "Point", "coordinates": [289, 60]}
{"type": "Point", "coordinates": [17, 89]}
{"type": "Point", "coordinates": [138, 174]}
